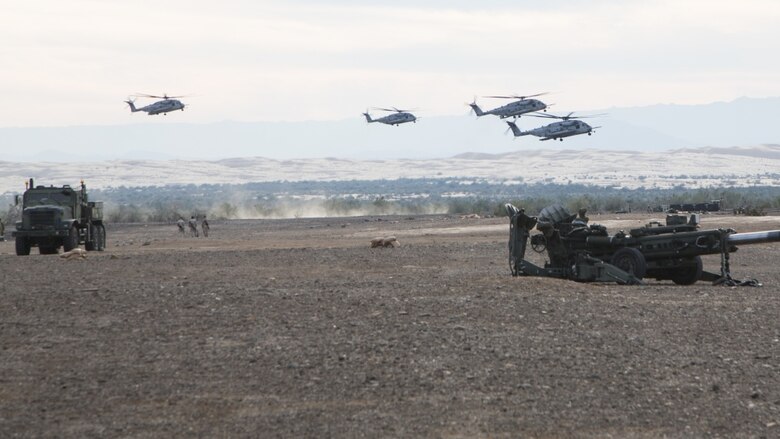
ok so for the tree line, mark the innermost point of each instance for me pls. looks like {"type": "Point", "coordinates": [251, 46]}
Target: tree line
{"type": "Point", "coordinates": [402, 197]}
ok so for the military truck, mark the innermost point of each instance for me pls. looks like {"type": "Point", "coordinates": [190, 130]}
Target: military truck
{"type": "Point", "coordinates": [54, 217]}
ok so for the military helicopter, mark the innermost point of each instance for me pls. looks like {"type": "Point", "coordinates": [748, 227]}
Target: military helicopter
{"type": "Point", "coordinates": [396, 118]}
{"type": "Point", "coordinates": [167, 104]}
{"type": "Point", "coordinates": [512, 109]}
{"type": "Point", "coordinates": [567, 127]}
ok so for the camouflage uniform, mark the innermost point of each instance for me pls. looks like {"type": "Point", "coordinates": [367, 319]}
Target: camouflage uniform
{"type": "Point", "coordinates": [205, 226]}
{"type": "Point", "coordinates": [193, 226]}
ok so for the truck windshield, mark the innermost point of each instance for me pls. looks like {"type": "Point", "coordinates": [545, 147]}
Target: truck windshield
{"type": "Point", "coordinates": [44, 198]}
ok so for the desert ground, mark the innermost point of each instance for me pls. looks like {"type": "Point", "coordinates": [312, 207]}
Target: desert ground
{"type": "Point", "coordinates": [296, 328]}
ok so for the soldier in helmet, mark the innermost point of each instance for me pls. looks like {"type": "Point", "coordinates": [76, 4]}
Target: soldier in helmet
{"type": "Point", "coordinates": [193, 226]}
{"type": "Point", "coordinates": [204, 224]}
{"type": "Point", "coordinates": [180, 225]}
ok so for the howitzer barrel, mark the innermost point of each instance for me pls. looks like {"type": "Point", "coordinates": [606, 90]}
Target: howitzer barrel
{"type": "Point", "coordinates": [754, 237]}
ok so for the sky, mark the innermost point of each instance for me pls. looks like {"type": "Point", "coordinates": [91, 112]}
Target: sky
{"type": "Point", "coordinates": [74, 62]}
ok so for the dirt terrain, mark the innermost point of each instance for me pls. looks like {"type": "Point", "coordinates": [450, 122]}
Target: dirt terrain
{"type": "Point", "coordinates": [296, 328]}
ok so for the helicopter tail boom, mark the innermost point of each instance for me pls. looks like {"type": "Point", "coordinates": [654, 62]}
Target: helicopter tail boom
{"type": "Point", "coordinates": [368, 118]}
{"type": "Point", "coordinates": [478, 111]}
{"type": "Point", "coordinates": [132, 106]}
{"type": "Point", "coordinates": [516, 131]}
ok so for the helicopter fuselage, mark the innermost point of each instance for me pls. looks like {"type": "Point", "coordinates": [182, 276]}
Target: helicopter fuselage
{"type": "Point", "coordinates": [159, 107]}
{"type": "Point", "coordinates": [513, 109]}
{"type": "Point", "coordinates": [163, 107]}
{"type": "Point", "coordinates": [393, 119]}
{"type": "Point", "coordinates": [559, 130]}
{"type": "Point", "coordinates": [555, 130]}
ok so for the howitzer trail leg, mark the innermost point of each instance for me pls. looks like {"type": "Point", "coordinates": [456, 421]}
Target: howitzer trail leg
{"type": "Point", "coordinates": [520, 225]}
{"type": "Point", "coordinates": [725, 272]}
{"type": "Point", "coordinates": [517, 244]}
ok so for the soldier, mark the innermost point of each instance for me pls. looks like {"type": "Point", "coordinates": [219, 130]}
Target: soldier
{"type": "Point", "coordinates": [193, 226]}
{"type": "Point", "coordinates": [2, 230]}
{"type": "Point", "coordinates": [180, 224]}
{"type": "Point", "coordinates": [204, 224]}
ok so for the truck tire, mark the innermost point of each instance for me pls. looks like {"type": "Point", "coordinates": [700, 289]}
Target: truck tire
{"type": "Point", "coordinates": [22, 246]}
{"type": "Point", "coordinates": [688, 275]}
{"type": "Point", "coordinates": [91, 243]}
{"type": "Point", "coordinates": [72, 241]}
{"type": "Point", "coordinates": [101, 240]}
{"type": "Point", "coordinates": [631, 261]}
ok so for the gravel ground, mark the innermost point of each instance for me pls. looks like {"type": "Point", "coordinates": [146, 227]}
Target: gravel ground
{"type": "Point", "coordinates": [296, 328]}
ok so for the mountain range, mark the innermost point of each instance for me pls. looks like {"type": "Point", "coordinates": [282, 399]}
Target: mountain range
{"type": "Point", "coordinates": [742, 122]}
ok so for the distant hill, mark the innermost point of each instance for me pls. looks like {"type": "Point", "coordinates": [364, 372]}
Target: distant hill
{"type": "Point", "coordinates": [744, 121]}
{"type": "Point", "coordinates": [690, 167]}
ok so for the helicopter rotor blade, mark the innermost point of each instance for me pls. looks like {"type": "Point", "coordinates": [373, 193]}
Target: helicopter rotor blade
{"type": "Point", "coordinates": [522, 98]}
{"type": "Point", "coordinates": [567, 117]}
{"type": "Point", "coordinates": [590, 116]}
{"type": "Point", "coordinates": [164, 96]}
{"type": "Point", "coordinates": [544, 116]}
{"type": "Point", "coordinates": [393, 109]}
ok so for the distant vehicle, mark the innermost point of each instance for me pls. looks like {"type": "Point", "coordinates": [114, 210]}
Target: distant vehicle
{"type": "Point", "coordinates": [396, 117]}
{"type": "Point", "coordinates": [513, 109]}
{"type": "Point", "coordinates": [567, 127]}
{"type": "Point", "coordinates": [59, 216]}
{"type": "Point", "coordinates": [166, 105]}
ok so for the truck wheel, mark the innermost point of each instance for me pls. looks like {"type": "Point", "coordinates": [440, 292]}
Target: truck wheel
{"type": "Point", "coordinates": [631, 261]}
{"type": "Point", "coordinates": [92, 243]}
{"type": "Point", "coordinates": [22, 247]}
{"type": "Point", "coordinates": [101, 240]}
{"type": "Point", "coordinates": [72, 241]}
{"type": "Point", "coordinates": [688, 275]}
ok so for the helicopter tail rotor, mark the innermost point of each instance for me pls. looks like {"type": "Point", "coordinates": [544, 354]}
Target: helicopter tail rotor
{"type": "Point", "coordinates": [131, 104]}
{"type": "Point", "coordinates": [515, 130]}
{"type": "Point", "coordinates": [475, 108]}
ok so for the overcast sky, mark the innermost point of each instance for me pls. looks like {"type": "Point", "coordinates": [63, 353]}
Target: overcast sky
{"type": "Point", "coordinates": [73, 62]}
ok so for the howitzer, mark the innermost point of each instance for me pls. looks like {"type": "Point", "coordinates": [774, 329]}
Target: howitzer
{"type": "Point", "coordinates": [587, 253]}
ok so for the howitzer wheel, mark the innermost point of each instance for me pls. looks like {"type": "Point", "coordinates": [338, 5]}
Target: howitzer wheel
{"type": "Point", "coordinates": [688, 275]}
{"type": "Point", "coordinates": [631, 261]}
